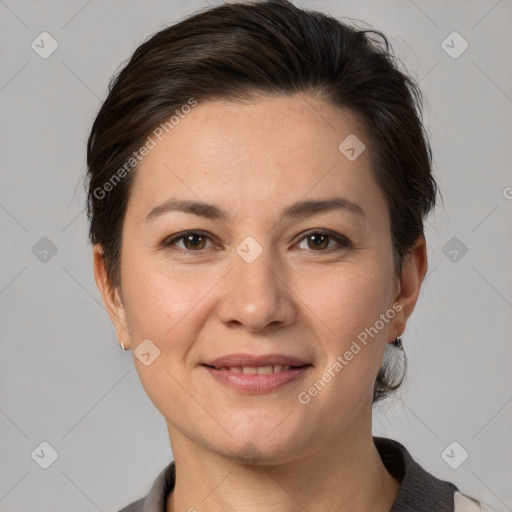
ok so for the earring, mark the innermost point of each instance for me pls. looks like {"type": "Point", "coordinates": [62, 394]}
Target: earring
{"type": "Point", "coordinates": [122, 346]}
{"type": "Point", "coordinates": [398, 341]}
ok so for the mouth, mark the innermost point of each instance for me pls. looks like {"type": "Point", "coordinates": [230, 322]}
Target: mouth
{"type": "Point", "coordinates": [257, 370]}
{"type": "Point", "coordinates": [256, 374]}
{"type": "Point", "coordinates": [254, 361]}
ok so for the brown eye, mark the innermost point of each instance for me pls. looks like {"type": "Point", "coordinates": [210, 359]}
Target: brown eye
{"type": "Point", "coordinates": [188, 242]}
{"type": "Point", "coordinates": [320, 241]}
{"type": "Point", "coordinates": [194, 241]}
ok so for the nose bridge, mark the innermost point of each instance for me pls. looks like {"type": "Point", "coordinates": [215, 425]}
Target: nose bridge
{"type": "Point", "coordinates": [255, 293]}
{"type": "Point", "coordinates": [255, 266]}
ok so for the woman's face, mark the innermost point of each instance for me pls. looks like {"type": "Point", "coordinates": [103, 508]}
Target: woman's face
{"type": "Point", "coordinates": [266, 274]}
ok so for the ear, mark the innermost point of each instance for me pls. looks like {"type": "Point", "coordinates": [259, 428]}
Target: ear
{"type": "Point", "coordinates": [111, 296]}
{"type": "Point", "coordinates": [414, 268]}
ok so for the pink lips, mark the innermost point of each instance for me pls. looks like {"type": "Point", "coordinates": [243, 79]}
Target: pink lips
{"type": "Point", "coordinates": [252, 360]}
{"type": "Point", "coordinates": [256, 374]}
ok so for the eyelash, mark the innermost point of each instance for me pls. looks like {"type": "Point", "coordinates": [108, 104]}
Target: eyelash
{"type": "Point", "coordinates": [344, 242]}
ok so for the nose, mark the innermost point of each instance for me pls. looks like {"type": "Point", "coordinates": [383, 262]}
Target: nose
{"type": "Point", "coordinates": [256, 295]}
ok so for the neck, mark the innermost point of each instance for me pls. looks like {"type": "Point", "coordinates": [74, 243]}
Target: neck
{"type": "Point", "coordinates": [350, 477]}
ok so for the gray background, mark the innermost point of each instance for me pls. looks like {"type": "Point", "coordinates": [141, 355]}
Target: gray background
{"type": "Point", "coordinates": [63, 378]}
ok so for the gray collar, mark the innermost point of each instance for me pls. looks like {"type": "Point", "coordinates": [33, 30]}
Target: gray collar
{"type": "Point", "coordinates": [419, 491]}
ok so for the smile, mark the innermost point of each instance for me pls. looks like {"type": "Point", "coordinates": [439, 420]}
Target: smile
{"type": "Point", "coordinates": [257, 379]}
{"type": "Point", "coordinates": [260, 370]}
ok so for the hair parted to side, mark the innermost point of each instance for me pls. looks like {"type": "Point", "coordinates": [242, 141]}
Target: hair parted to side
{"type": "Point", "coordinates": [237, 51]}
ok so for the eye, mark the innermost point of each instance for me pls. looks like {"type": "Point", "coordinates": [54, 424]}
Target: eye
{"type": "Point", "coordinates": [319, 241]}
{"type": "Point", "coordinates": [193, 241]}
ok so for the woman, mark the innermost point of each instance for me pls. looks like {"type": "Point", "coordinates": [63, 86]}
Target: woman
{"type": "Point", "coordinates": [259, 176]}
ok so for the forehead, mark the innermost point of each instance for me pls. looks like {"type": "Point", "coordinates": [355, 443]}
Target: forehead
{"type": "Point", "coordinates": [269, 148]}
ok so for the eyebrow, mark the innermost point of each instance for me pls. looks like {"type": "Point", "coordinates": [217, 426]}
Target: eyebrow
{"type": "Point", "coordinates": [297, 210]}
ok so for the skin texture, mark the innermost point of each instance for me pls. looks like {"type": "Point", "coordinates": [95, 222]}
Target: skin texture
{"type": "Point", "coordinates": [254, 159]}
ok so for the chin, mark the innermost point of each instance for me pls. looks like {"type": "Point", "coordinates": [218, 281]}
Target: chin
{"type": "Point", "coordinates": [257, 447]}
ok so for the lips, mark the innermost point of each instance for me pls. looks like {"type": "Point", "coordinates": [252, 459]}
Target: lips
{"type": "Point", "coordinates": [255, 361]}
{"type": "Point", "coordinates": [259, 370]}
{"type": "Point", "coordinates": [256, 374]}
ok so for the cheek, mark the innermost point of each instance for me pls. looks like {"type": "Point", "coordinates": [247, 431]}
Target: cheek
{"type": "Point", "coordinates": [347, 304]}
{"type": "Point", "coordinates": [165, 306]}
{"type": "Point", "coordinates": [159, 300]}
{"type": "Point", "coordinates": [346, 299]}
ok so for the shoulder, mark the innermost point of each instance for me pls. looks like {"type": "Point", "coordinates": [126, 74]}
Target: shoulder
{"type": "Point", "coordinates": [136, 506]}
{"type": "Point", "coordinates": [156, 498]}
{"type": "Point", "coordinates": [420, 490]}
{"type": "Point", "coordinates": [464, 503]}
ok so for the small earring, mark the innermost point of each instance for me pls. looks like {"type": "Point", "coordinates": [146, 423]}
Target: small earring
{"type": "Point", "coordinates": [122, 346]}
{"type": "Point", "coordinates": [398, 341]}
